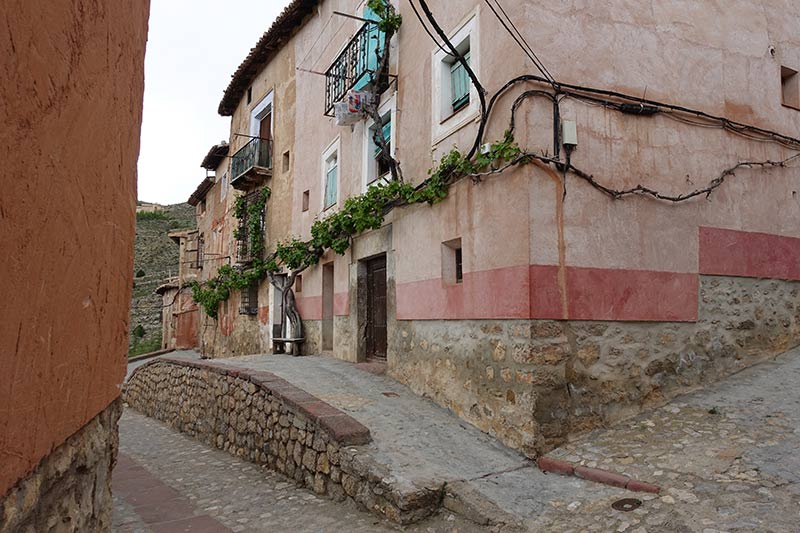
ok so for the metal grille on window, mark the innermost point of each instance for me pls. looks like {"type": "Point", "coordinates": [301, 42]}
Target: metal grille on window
{"type": "Point", "coordinates": [244, 254]}
{"type": "Point", "coordinates": [460, 83]}
{"type": "Point", "coordinates": [201, 250]}
{"type": "Point", "coordinates": [249, 300]}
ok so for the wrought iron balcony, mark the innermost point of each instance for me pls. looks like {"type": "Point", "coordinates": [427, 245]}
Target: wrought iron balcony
{"type": "Point", "coordinates": [355, 66]}
{"type": "Point", "coordinates": [251, 163]}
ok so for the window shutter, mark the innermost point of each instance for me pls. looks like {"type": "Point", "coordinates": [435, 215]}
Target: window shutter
{"type": "Point", "coordinates": [387, 134]}
{"type": "Point", "coordinates": [460, 83]}
{"type": "Point", "coordinates": [330, 186]}
{"type": "Point", "coordinates": [374, 42]}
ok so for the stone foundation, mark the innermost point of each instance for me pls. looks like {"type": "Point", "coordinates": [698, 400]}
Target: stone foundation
{"type": "Point", "coordinates": [261, 418]}
{"type": "Point", "coordinates": [70, 489]}
{"type": "Point", "coordinates": [533, 383]}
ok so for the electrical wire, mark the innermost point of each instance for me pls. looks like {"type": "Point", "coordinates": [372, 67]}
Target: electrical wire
{"type": "Point", "coordinates": [517, 36]}
{"type": "Point", "coordinates": [425, 27]}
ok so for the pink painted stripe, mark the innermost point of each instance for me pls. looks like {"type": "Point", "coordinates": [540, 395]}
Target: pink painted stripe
{"type": "Point", "coordinates": [545, 295]}
{"type": "Point", "coordinates": [534, 292]}
{"type": "Point", "coordinates": [725, 252]}
{"type": "Point", "coordinates": [499, 293]}
{"type": "Point", "coordinates": [636, 295]}
{"type": "Point", "coordinates": [341, 304]}
{"type": "Point", "coordinates": [309, 307]}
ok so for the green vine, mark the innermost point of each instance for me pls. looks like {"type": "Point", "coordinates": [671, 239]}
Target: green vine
{"type": "Point", "coordinates": [335, 232]}
{"type": "Point", "coordinates": [358, 214]}
{"type": "Point", "coordinates": [389, 20]}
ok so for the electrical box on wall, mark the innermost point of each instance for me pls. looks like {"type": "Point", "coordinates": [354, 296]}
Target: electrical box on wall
{"type": "Point", "coordinates": [569, 133]}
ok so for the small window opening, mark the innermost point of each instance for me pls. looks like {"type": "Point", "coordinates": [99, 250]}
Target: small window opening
{"type": "Point", "coordinates": [286, 161]}
{"type": "Point", "coordinates": [790, 85]}
{"type": "Point", "coordinates": [452, 262]}
{"type": "Point", "coordinates": [249, 300]}
{"type": "Point", "coordinates": [298, 283]}
{"type": "Point", "coordinates": [459, 268]}
{"type": "Point", "coordinates": [306, 199]}
{"type": "Point", "coordinates": [249, 94]}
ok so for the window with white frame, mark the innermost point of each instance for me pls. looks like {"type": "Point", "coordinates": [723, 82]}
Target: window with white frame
{"type": "Point", "coordinates": [330, 175]}
{"type": "Point", "coordinates": [376, 168]}
{"type": "Point", "coordinates": [454, 97]}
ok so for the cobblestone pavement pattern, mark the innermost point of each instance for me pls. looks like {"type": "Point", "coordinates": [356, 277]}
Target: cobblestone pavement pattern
{"type": "Point", "coordinates": [726, 459]}
{"type": "Point", "coordinates": [236, 494]}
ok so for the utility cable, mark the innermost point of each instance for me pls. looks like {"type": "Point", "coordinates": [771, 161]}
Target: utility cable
{"type": "Point", "coordinates": [535, 58]}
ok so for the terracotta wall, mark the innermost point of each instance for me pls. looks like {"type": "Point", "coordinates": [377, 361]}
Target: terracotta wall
{"type": "Point", "coordinates": [70, 113]}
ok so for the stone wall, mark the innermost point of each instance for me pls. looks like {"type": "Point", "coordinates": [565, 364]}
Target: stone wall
{"type": "Point", "coordinates": [262, 418]}
{"type": "Point", "coordinates": [70, 490]}
{"type": "Point", "coordinates": [533, 383]}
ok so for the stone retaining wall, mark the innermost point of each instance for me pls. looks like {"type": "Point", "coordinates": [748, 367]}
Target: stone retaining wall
{"type": "Point", "coordinates": [70, 489]}
{"type": "Point", "coordinates": [532, 383]}
{"type": "Point", "coordinates": [266, 420]}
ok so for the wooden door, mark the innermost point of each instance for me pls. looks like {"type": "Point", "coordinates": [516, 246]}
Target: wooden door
{"type": "Point", "coordinates": [376, 308]}
{"type": "Point", "coordinates": [327, 307]}
{"type": "Point", "coordinates": [265, 127]}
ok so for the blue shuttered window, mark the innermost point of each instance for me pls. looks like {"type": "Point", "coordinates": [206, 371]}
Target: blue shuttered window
{"type": "Point", "coordinates": [331, 174]}
{"type": "Point", "coordinates": [460, 84]}
{"type": "Point", "coordinates": [367, 54]}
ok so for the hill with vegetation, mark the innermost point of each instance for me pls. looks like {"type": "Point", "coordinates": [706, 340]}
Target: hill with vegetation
{"type": "Point", "coordinates": [155, 260]}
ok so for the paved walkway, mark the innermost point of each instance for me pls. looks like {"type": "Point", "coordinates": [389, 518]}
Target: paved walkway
{"type": "Point", "coordinates": [168, 482]}
{"type": "Point", "coordinates": [726, 458]}
{"type": "Point", "coordinates": [419, 441]}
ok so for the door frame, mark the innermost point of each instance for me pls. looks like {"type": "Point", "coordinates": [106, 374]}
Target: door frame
{"type": "Point", "coordinates": [364, 305]}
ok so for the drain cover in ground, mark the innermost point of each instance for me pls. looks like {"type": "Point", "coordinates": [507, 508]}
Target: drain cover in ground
{"type": "Point", "coordinates": [626, 504]}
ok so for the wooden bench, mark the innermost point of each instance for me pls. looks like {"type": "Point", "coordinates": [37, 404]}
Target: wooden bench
{"type": "Point", "coordinates": [278, 345]}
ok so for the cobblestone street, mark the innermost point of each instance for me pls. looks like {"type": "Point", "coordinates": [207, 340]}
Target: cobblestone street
{"type": "Point", "coordinates": [168, 482]}
{"type": "Point", "coordinates": [725, 459]}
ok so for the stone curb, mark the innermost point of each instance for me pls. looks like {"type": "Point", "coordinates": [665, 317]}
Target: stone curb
{"type": "Point", "coordinates": [614, 479]}
{"type": "Point", "coordinates": [149, 355]}
{"type": "Point", "coordinates": [339, 426]}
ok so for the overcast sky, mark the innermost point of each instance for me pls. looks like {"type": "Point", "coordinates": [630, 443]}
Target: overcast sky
{"type": "Point", "coordinates": [193, 48]}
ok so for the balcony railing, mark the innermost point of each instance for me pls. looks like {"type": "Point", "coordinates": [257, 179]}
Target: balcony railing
{"type": "Point", "coordinates": [354, 65]}
{"type": "Point", "coordinates": [251, 163]}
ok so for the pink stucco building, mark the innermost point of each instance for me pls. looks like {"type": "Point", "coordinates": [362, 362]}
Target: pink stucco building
{"type": "Point", "coordinates": [532, 302]}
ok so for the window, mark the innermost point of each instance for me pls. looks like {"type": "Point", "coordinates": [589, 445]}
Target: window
{"type": "Point", "coordinates": [790, 85]}
{"type": "Point", "coordinates": [375, 167]}
{"type": "Point", "coordinates": [330, 175]}
{"type": "Point", "coordinates": [244, 252]}
{"type": "Point", "coordinates": [223, 186]}
{"type": "Point", "coordinates": [459, 266]}
{"type": "Point", "coordinates": [382, 169]}
{"type": "Point", "coordinates": [459, 84]}
{"type": "Point", "coordinates": [452, 262]}
{"type": "Point", "coordinates": [248, 304]}
{"type": "Point", "coordinates": [367, 55]}
{"type": "Point", "coordinates": [249, 94]}
{"type": "Point", "coordinates": [306, 199]}
{"type": "Point", "coordinates": [286, 161]}
{"type": "Point", "coordinates": [201, 251]}
{"type": "Point", "coordinates": [201, 207]}
{"type": "Point", "coordinates": [298, 283]}
{"type": "Point", "coordinates": [454, 101]}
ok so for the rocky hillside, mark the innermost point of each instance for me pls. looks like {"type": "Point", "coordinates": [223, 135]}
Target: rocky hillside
{"type": "Point", "coordinates": [155, 259]}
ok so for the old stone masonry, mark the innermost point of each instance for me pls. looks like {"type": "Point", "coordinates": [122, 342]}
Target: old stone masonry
{"type": "Point", "coordinates": [722, 459]}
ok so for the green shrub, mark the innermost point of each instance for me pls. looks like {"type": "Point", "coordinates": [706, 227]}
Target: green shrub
{"type": "Point", "coordinates": [155, 215]}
